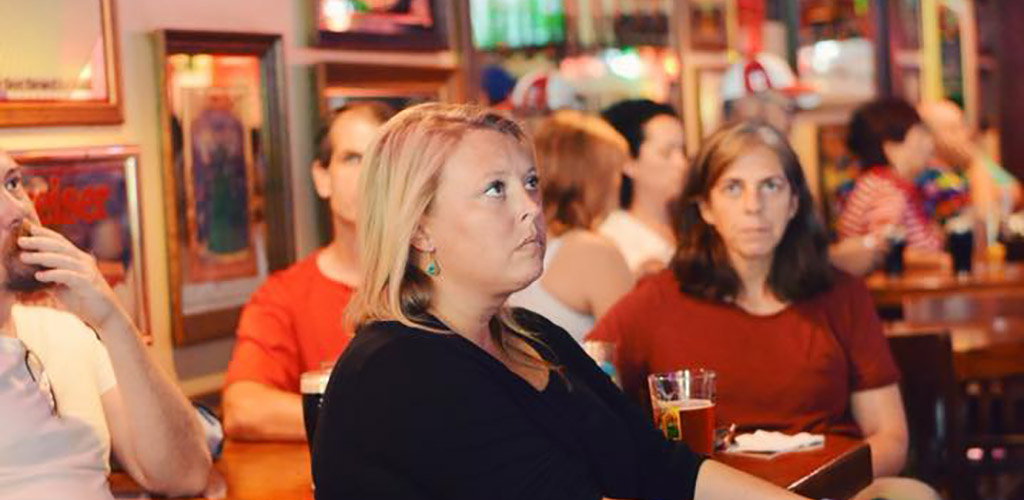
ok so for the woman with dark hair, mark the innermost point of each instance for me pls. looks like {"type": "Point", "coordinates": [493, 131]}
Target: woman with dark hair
{"type": "Point", "coordinates": [650, 180]}
{"type": "Point", "coordinates": [893, 146]}
{"type": "Point", "coordinates": [750, 294]}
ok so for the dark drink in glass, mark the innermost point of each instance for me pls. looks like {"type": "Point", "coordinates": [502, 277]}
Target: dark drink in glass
{"type": "Point", "coordinates": [894, 265]}
{"type": "Point", "coordinates": [312, 384]}
{"type": "Point", "coordinates": [310, 412]}
{"type": "Point", "coordinates": [961, 248]}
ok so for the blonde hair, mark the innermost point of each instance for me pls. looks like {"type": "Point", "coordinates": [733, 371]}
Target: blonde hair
{"type": "Point", "coordinates": [399, 180]}
{"type": "Point", "coordinates": [579, 158]}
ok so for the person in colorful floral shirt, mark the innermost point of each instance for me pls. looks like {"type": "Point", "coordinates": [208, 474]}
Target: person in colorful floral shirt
{"type": "Point", "coordinates": [989, 189]}
{"type": "Point", "coordinates": [945, 193]}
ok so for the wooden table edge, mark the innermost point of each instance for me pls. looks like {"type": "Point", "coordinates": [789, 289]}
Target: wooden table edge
{"type": "Point", "coordinates": [860, 453]}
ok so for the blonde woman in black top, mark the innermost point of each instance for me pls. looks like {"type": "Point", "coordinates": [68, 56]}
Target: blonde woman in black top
{"type": "Point", "coordinates": [446, 393]}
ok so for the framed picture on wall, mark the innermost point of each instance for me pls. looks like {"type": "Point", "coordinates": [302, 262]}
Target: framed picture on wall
{"type": "Point", "coordinates": [91, 197]}
{"type": "Point", "coordinates": [59, 63]}
{"type": "Point", "coordinates": [226, 174]}
{"type": "Point", "coordinates": [708, 25]}
{"type": "Point", "coordinates": [219, 181]}
{"type": "Point", "coordinates": [381, 24]}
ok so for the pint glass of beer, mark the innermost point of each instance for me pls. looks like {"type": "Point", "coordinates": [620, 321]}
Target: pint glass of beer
{"type": "Point", "coordinates": [313, 383]}
{"type": "Point", "coordinates": [683, 403]}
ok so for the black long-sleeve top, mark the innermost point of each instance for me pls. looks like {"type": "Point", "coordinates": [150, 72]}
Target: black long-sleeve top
{"type": "Point", "coordinates": [411, 414]}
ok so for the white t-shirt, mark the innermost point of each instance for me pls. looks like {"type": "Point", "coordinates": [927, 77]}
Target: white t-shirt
{"type": "Point", "coordinates": [42, 455]}
{"type": "Point", "coordinates": [639, 244]}
{"type": "Point", "coordinates": [540, 301]}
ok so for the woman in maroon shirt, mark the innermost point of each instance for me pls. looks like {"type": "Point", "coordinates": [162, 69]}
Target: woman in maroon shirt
{"type": "Point", "coordinates": [750, 294]}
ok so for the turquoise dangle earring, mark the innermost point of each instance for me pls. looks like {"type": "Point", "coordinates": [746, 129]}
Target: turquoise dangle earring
{"type": "Point", "coordinates": [432, 269]}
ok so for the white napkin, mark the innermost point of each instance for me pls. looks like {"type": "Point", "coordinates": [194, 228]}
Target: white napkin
{"type": "Point", "coordinates": [775, 442]}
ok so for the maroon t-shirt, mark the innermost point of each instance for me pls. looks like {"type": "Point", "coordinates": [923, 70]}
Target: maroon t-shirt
{"type": "Point", "coordinates": [791, 371]}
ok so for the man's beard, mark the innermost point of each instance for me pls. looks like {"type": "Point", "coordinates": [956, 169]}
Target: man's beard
{"type": "Point", "coordinates": [20, 277]}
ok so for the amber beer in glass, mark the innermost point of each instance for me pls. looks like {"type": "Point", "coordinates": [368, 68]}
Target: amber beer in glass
{"type": "Point", "coordinates": [683, 404]}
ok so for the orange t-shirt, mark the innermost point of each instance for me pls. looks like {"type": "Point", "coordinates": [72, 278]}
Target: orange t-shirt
{"type": "Point", "coordinates": [792, 371]}
{"type": "Point", "coordinates": [291, 324]}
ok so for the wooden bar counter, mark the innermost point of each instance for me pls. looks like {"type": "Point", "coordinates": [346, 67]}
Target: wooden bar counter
{"type": "Point", "coordinates": [986, 328]}
{"type": "Point", "coordinates": [246, 471]}
{"type": "Point", "coordinates": [280, 471]}
{"type": "Point", "coordinates": [998, 277]}
{"type": "Point", "coordinates": [983, 311]}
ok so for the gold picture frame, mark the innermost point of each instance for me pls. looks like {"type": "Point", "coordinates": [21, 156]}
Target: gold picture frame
{"type": "Point", "coordinates": [226, 174]}
{"type": "Point", "coordinates": [50, 76]}
{"type": "Point", "coordinates": [91, 196]}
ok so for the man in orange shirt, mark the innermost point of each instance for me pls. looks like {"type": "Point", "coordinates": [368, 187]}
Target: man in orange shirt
{"type": "Point", "coordinates": [293, 323]}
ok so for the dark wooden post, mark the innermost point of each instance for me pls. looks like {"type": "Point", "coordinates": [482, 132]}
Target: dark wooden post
{"type": "Point", "coordinates": [881, 15]}
{"type": "Point", "coordinates": [1011, 83]}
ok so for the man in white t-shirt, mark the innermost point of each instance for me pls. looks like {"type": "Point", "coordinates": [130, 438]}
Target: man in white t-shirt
{"type": "Point", "coordinates": [76, 381]}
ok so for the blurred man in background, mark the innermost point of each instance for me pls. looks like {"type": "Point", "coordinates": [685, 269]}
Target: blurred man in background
{"type": "Point", "coordinates": [293, 323]}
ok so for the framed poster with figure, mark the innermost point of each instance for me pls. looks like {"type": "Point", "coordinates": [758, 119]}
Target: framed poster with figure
{"type": "Point", "coordinates": [219, 183]}
{"type": "Point", "coordinates": [226, 174]}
